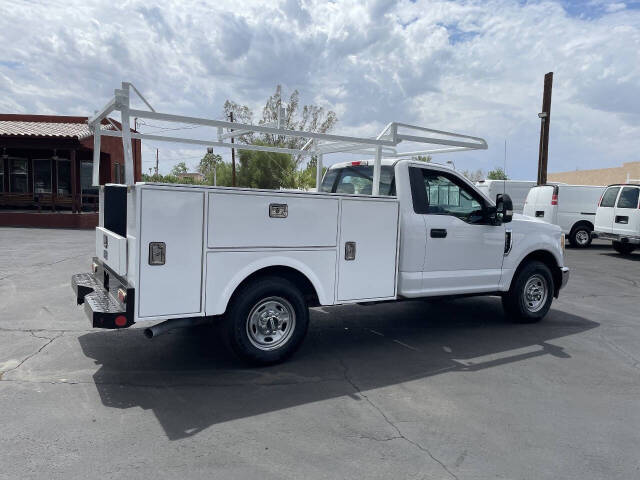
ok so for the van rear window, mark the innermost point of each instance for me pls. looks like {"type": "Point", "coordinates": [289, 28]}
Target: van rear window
{"type": "Point", "coordinates": [609, 197]}
{"type": "Point", "coordinates": [628, 198]}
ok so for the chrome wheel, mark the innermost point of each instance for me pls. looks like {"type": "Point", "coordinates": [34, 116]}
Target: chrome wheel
{"type": "Point", "coordinates": [536, 292]}
{"type": "Point", "coordinates": [582, 237]}
{"type": "Point", "coordinates": [271, 323]}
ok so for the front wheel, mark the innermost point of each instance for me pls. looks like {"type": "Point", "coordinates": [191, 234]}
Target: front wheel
{"type": "Point", "coordinates": [580, 237]}
{"type": "Point", "coordinates": [623, 248]}
{"type": "Point", "coordinates": [266, 321]}
{"type": "Point", "coordinates": [529, 298]}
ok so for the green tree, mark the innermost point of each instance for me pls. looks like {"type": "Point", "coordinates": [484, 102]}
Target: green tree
{"type": "Point", "coordinates": [306, 178]}
{"type": "Point", "coordinates": [208, 164]}
{"type": "Point", "coordinates": [266, 170]}
{"type": "Point", "coordinates": [473, 175]}
{"type": "Point", "coordinates": [179, 168]}
{"type": "Point", "coordinates": [497, 174]}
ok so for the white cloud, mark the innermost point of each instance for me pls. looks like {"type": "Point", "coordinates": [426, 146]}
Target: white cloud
{"type": "Point", "coordinates": [473, 66]}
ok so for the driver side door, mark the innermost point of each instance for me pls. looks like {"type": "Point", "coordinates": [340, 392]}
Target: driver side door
{"type": "Point", "coordinates": [464, 251]}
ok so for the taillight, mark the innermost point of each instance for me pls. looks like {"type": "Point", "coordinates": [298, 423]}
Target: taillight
{"type": "Point", "coordinates": [554, 199]}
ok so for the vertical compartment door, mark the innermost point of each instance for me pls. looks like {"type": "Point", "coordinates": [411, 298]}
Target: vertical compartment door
{"type": "Point", "coordinates": [171, 252]}
{"type": "Point", "coordinates": [367, 250]}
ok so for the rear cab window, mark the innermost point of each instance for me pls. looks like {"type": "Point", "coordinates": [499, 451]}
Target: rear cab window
{"type": "Point", "coordinates": [628, 197]}
{"type": "Point", "coordinates": [358, 180]}
{"type": "Point", "coordinates": [609, 197]}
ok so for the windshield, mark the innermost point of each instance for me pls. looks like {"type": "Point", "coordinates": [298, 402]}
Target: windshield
{"type": "Point", "coordinates": [358, 180]}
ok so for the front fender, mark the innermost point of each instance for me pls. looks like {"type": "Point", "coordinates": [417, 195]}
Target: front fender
{"type": "Point", "coordinates": [527, 240]}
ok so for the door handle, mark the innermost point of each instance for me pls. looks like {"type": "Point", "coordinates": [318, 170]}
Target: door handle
{"type": "Point", "coordinates": [438, 233]}
{"type": "Point", "coordinates": [622, 219]}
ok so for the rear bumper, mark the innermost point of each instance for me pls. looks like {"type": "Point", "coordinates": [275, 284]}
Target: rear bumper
{"type": "Point", "coordinates": [99, 293]}
{"type": "Point", "coordinates": [634, 239]}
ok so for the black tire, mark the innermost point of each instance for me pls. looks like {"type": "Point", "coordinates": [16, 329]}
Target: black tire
{"type": "Point", "coordinates": [580, 236]}
{"type": "Point", "coordinates": [521, 308]}
{"type": "Point", "coordinates": [623, 248]}
{"type": "Point", "coordinates": [248, 339]}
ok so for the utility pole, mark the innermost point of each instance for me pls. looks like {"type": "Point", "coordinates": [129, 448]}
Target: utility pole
{"type": "Point", "coordinates": [156, 161]}
{"type": "Point", "coordinates": [215, 166]}
{"type": "Point", "coordinates": [545, 120]}
{"type": "Point", "coordinates": [233, 157]}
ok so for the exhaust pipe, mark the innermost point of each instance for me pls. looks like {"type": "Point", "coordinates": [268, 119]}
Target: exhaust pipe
{"type": "Point", "coordinates": [164, 327]}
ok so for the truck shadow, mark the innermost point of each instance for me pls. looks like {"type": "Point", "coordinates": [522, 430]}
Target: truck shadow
{"type": "Point", "coordinates": [190, 383]}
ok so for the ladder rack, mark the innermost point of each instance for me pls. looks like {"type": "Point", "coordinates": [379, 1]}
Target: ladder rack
{"type": "Point", "coordinates": [317, 145]}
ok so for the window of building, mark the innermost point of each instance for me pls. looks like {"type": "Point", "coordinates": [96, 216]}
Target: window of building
{"type": "Point", "coordinates": [42, 176]}
{"type": "Point", "coordinates": [89, 192]}
{"type": "Point", "coordinates": [64, 177]}
{"type": "Point", "coordinates": [18, 175]}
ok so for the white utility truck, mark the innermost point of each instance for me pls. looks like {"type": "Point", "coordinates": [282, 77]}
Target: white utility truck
{"type": "Point", "coordinates": [572, 207]}
{"type": "Point", "coordinates": [618, 217]}
{"type": "Point", "coordinates": [375, 231]}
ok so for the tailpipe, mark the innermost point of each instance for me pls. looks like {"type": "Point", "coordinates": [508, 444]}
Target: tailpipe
{"type": "Point", "coordinates": [164, 327]}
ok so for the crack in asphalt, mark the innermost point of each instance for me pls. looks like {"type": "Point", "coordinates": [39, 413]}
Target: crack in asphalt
{"type": "Point", "coordinates": [400, 435]}
{"type": "Point", "coordinates": [45, 345]}
{"type": "Point", "coordinates": [44, 265]}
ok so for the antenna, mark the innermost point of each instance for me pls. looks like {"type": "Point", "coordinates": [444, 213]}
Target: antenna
{"type": "Point", "coordinates": [504, 169]}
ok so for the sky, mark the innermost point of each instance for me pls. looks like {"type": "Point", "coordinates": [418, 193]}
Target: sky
{"type": "Point", "coordinates": [474, 67]}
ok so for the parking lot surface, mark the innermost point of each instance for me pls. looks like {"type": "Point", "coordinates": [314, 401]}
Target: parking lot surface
{"type": "Point", "coordinates": [441, 390]}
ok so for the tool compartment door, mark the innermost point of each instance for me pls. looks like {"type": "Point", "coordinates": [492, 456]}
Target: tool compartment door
{"type": "Point", "coordinates": [174, 218]}
{"type": "Point", "coordinates": [372, 228]}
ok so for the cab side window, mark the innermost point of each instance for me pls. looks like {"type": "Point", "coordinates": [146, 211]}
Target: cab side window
{"type": "Point", "coordinates": [609, 197]}
{"type": "Point", "coordinates": [437, 193]}
{"type": "Point", "coordinates": [628, 198]}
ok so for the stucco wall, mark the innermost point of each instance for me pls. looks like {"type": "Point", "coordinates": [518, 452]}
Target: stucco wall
{"type": "Point", "coordinates": [601, 176]}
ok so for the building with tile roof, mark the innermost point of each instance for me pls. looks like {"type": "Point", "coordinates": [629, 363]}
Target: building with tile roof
{"type": "Point", "coordinates": [46, 167]}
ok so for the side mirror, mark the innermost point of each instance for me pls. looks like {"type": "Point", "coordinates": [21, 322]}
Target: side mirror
{"type": "Point", "coordinates": [504, 208]}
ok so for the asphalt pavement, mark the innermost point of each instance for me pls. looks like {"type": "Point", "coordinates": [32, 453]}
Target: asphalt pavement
{"type": "Point", "coordinates": [421, 390]}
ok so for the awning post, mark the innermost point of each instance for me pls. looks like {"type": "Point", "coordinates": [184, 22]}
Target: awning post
{"type": "Point", "coordinates": [376, 172]}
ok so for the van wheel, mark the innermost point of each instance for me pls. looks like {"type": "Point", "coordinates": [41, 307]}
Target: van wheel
{"type": "Point", "coordinates": [529, 298]}
{"type": "Point", "coordinates": [266, 321]}
{"type": "Point", "coordinates": [580, 236]}
{"type": "Point", "coordinates": [623, 248]}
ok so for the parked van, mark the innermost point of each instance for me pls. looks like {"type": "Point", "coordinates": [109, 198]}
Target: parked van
{"type": "Point", "coordinates": [618, 217]}
{"type": "Point", "coordinates": [516, 189]}
{"type": "Point", "coordinates": [572, 207]}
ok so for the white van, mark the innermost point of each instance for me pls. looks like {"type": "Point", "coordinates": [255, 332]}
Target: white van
{"type": "Point", "coordinates": [516, 189]}
{"type": "Point", "coordinates": [572, 207]}
{"type": "Point", "coordinates": [618, 217]}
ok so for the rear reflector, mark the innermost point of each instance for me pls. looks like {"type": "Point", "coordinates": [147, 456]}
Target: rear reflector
{"type": "Point", "coordinates": [122, 295]}
{"type": "Point", "coordinates": [554, 199]}
{"type": "Point", "coordinates": [120, 321]}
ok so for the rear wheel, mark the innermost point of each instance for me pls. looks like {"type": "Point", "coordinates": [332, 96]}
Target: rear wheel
{"type": "Point", "coordinates": [266, 321]}
{"type": "Point", "coordinates": [529, 298]}
{"type": "Point", "coordinates": [623, 248]}
{"type": "Point", "coordinates": [580, 236]}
